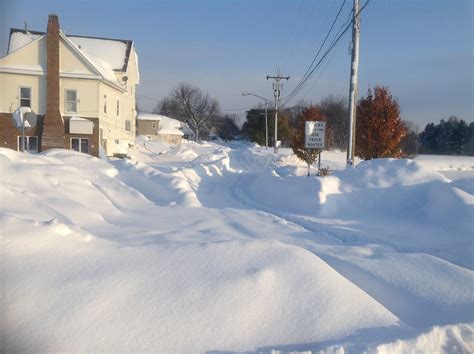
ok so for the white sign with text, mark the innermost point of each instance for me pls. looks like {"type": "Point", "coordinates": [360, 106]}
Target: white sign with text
{"type": "Point", "coordinates": [315, 133]}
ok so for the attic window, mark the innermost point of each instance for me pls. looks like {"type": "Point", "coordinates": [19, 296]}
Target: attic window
{"type": "Point", "coordinates": [118, 107]}
{"type": "Point", "coordinates": [105, 104]}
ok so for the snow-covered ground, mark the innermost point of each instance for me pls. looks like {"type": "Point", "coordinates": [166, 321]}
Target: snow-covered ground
{"type": "Point", "coordinates": [227, 247]}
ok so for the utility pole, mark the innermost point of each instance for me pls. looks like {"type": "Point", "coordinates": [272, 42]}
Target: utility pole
{"type": "Point", "coordinates": [276, 93]}
{"type": "Point", "coordinates": [353, 83]}
{"type": "Point", "coordinates": [266, 124]}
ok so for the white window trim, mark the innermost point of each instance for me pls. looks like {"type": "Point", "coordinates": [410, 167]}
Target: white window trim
{"type": "Point", "coordinates": [66, 101]}
{"type": "Point", "coordinates": [80, 141]}
{"type": "Point", "coordinates": [27, 137]}
{"type": "Point", "coordinates": [19, 95]}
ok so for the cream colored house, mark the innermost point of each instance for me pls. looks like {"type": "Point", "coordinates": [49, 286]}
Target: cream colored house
{"type": "Point", "coordinates": [81, 91]}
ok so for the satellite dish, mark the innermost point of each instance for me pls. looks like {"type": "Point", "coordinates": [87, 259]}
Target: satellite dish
{"type": "Point", "coordinates": [125, 78]}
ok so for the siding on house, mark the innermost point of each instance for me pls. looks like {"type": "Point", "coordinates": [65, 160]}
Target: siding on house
{"type": "Point", "coordinates": [148, 127]}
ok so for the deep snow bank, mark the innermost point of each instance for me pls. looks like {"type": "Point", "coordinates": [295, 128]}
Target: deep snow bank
{"type": "Point", "coordinates": [446, 163]}
{"type": "Point", "coordinates": [152, 256]}
{"type": "Point", "coordinates": [91, 264]}
{"type": "Point", "coordinates": [399, 202]}
{"type": "Point", "coordinates": [180, 298]}
{"type": "Point", "coordinates": [446, 339]}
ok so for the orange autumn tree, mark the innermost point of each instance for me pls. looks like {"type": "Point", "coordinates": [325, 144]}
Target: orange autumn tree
{"type": "Point", "coordinates": [379, 126]}
{"type": "Point", "coordinates": [312, 113]}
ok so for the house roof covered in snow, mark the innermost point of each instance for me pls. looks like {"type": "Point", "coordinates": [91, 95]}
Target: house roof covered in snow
{"type": "Point", "coordinates": [107, 54]}
{"type": "Point", "coordinates": [148, 116]}
{"type": "Point", "coordinates": [167, 125]}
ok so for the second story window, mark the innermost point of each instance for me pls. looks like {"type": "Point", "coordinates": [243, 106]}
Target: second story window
{"type": "Point", "coordinates": [105, 104]}
{"type": "Point", "coordinates": [25, 96]}
{"type": "Point", "coordinates": [128, 126]}
{"type": "Point", "coordinates": [118, 107]}
{"type": "Point", "coordinates": [71, 101]}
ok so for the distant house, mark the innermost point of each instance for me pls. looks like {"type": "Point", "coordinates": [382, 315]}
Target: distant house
{"type": "Point", "coordinates": [148, 124]}
{"type": "Point", "coordinates": [79, 91]}
{"type": "Point", "coordinates": [161, 127]}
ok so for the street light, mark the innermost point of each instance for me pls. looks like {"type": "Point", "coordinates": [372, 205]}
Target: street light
{"type": "Point", "coordinates": [266, 114]}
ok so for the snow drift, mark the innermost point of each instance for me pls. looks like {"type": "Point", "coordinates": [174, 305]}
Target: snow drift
{"type": "Point", "coordinates": [206, 247]}
{"type": "Point", "coordinates": [398, 202]}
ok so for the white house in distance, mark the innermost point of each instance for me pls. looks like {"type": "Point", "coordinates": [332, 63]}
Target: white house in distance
{"type": "Point", "coordinates": [156, 126]}
{"type": "Point", "coordinates": [81, 91]}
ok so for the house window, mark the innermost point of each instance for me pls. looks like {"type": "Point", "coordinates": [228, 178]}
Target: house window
{"type": "Point", "coordinates": [80, 144]}
{"type": "Point", "coordinates": [128, 126]}
{"type": "Point", "coordinates": [71, 101]}
{"type": "Point", "coordinates": [25, 96]}
{"type": "Point", "coordinates": [105, 103]}
{"type": "Point", "coordinates": [153, 125]}
{"type": "Point", "coordinates": [118, 107]}
{"type": "Point", "coordinates": [30, 143]}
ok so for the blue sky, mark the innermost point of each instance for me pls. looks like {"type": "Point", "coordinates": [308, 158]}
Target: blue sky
{"type": "Point", "coordinates": [422, 50]}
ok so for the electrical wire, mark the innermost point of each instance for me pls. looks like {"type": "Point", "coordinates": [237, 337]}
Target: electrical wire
{"type": "Point", "coordinates": [333, 44]}
{"type": "Point", "coordinates": [310, 72]}
{"type": "Point", "coordinates": [316, 80]}
{"type": "Point", "coordinates": [319, 50]}
{"type": "Point", "coordinates": [235, 109]}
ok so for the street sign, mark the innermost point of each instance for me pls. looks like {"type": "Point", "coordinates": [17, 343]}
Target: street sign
{"type": "Point", "coordinates": [315, 133]}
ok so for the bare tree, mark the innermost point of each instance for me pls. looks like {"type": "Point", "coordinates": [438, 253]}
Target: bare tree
{"type": "Point", "coordinates": [336, 109]}
{"type": "Point", "coordinates": [190, 105]}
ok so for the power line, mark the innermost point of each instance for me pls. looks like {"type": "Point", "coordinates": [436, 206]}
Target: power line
{"type": "Point", "coordinates": [319, 76]}
{"type": "Point", "coordinates": [222, 110]}
{"type": "Point", "coordinates": [297, 89]}
{"type": "Point", "coordinates": [331, 55]}
{"type": "Point", "coordinates": [293, 38]}
{"type": "Point", "coordinates": [322, 45]}
{"type": "Point", "coordinates": [333, 44]}
{"type": "Point", "coordinates": [236, 109]}
{"type": "Point", "coordinates": [149, 98]}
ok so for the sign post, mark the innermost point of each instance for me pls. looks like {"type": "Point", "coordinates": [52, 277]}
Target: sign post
{"type": "Point", "coordinates": [314, 138]}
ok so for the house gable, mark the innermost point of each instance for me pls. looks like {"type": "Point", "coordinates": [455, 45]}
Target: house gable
{"type": "Point", "coordinates": [72, 63]}
{"type": "Point", "coordinates": [132, 69]}
{"type": "Point", "coordinates": [31, 57]}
